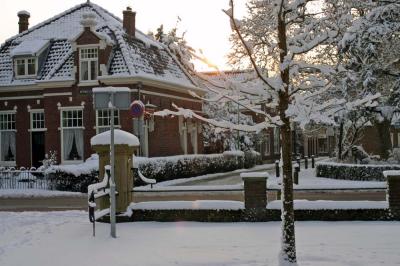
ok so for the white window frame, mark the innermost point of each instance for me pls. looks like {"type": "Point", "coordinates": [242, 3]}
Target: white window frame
{"type": "Point", "coordinates": [9, 163]}
{"type": "Point", "coordinates": [62, 128]}
{"type": "Point", "coordinates": [26, 75]}
{"type": "Point", "coordinates": [116, 125]}
{"type": "Point", "coordinates": [267, 143]}
{"type": "Point", "coordinates": [89, 60]}
{"type": "Point", "coordinates": [35, 129]}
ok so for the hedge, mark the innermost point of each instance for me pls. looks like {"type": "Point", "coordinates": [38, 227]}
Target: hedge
{"type": "Point", "coordinates": [78, 177]}
{"type": "Point", "coordinates": [359, 172]}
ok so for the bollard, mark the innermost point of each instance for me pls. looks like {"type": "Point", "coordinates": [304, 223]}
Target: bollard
{"type": "Point", "coordinates": [313, 161]}
{"type": "Point", "coordinates": [298, 162]}
{"type": "Point", "coordinates": [277, 168]}
{"type": "Point", "coordinates": [305, 162]}
{"type": "Point", "coordinates": [296, 174]}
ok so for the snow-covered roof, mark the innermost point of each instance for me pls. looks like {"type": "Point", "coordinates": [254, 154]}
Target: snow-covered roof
{"type": "Point", "coordinates": [29, 47]}
{"type": "Point", "coordinates": [138, 57]}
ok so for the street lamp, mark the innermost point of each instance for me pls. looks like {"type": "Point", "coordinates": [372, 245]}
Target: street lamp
{"type": "Point", "coordinates": [111, 99]}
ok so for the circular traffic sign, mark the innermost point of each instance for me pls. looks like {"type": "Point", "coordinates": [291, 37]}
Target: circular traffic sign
{"type": "Point", "coordinates": [137, 108]}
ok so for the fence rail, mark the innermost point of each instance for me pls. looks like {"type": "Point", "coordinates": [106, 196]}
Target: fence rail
{"type": "Point", "coordinates": [23, 179]}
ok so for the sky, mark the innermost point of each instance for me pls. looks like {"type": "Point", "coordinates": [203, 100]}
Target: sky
{"type": "Point", "coordinates": [206, 26]}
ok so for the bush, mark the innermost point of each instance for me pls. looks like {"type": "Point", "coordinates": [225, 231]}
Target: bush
{"type": "Point", "coordinates": [78, 177]}
{"type": "Point", "coordinates": [353, 171]}
{"type": "Point", "coordinates": [67, 182]}
{"type": "Point", "coordinates": [174, 167]}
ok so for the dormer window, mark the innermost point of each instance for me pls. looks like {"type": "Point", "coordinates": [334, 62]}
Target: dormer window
{"type": "Point", "coordinates": [28, 56]}
{"type": "Point", "coordinates": [25, 67]}
{"type": "Point", "coordinates": [89, 63]}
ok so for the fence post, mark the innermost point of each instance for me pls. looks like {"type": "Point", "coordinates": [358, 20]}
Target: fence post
{"type": "Point", "coordinates": [255, 191]}
{"type": "Point", "coordinates": [277, 168]}
{"type": "Point", "coordinates": [393, 192]}
{"type": "Point", "coordinates": [296, 174]}
{"type": "Point", "coordinates": [313, 161]}
{"type": "Point", "coordinates": [305, 162]}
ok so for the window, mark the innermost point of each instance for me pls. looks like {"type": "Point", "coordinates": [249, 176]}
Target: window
{"type": "Point", "coordinates": [322, 145]}
{"type": "Point", "coordinates": [7, 137]}
{"type": "Point", "coordinates": [25, 67]}
{"type": "Point", "coordinates": [72, 134]}
{"type": "Point", "coordinates": [37, 120]}
{"type": "Point", "coordinates": [277, 144]}
{"type": "Point", "coordinates": [267, 145]}
{"type": "Point", "coordinates": [103, 120]}
{"type": "Point", "coordinates": [183, 132]}
{"type": "Point", "coordinates": [88, 64]}
{"type": "Point", "coordinates": [193, 131]}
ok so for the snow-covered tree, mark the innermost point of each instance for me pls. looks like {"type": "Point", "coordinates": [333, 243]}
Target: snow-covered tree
{"type": "Point", "coordinates": [286, 87]}
{"type": "Point", "coordinates": [372, 50]}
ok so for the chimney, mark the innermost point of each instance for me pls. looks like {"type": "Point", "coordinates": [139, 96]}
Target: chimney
{"type": "Point", "coordinates": [129, 21]}
{"type": "Point", "coordinates": [23, 20]}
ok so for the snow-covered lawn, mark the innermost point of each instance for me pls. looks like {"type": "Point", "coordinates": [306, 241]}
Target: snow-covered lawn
{"type": "Point", "coordinates": [64, 238]}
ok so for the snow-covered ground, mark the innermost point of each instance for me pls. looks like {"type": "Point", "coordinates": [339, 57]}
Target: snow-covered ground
{"type": "Point", "coordinates": [64, 239]}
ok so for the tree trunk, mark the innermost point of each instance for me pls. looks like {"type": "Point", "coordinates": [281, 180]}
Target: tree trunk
{"type": "Point", "coordinates": [340, 141]}
{"type": "Point", "coordinates": [288, 245]}
{"type": "Point", "coordinates": [385, 143]}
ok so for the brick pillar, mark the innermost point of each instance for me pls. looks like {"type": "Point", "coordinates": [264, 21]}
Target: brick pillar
{"type": "Point", "coordinates": [255, 191]}
{"type": "Point", "coordinates": [393, 191]}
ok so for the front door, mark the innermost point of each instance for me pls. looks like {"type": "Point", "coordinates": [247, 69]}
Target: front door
{"type": "Point", "coordinates": [38, 152]}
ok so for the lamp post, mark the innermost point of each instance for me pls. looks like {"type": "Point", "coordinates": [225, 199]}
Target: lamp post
{"type": "Point", "coordinates": [111, 98]}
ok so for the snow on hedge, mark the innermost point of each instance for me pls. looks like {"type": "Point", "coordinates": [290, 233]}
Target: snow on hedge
{"type": "Point", "coordinates": [330, 205]}
{"type": "Point", "coordinates": [366, 172]}
{"type": "Point", "coordinates": [120, 138]}
{"type": "Point", "coordinates": [188, 205]}
{"type": "Point", "coordinates": [89, 166]}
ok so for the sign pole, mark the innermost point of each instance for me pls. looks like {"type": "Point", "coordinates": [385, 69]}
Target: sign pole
{"type": "Point", "coordinates": [112, 183]}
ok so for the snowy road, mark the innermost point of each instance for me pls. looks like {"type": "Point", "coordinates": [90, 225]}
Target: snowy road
{"type": "Point", "coordinates": [64, 239]}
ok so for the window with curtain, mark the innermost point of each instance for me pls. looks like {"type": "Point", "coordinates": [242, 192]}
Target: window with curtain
{"type": "Point", "coordinates": [72, 135]}
{"type": "Point", "coordinates": [103, 120]}
{"type": "Point", "coordinates": [25, 67]}
{"type": "Point", "coordinates": [89, 64]}
{"type": "Point", "coordinates": [7, 137]}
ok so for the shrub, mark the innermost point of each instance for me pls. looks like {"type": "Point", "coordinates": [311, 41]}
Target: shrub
{"type": "Point", "coordinates": [353, 171]}
{"type": "Point", "coordinates": [78, 177]}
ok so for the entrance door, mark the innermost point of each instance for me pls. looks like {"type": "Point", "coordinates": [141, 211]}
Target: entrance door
{"type": "Point", "coordinates": [38, 152]}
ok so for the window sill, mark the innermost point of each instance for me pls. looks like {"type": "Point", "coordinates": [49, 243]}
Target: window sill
{"type": "Point", "coordinates": [8, 163]}
{"type": "Point", "coordinates": [26, 77]}
{"type": "Point", "coordinates": [88, 83]}
{"type": "Point", "coordinates": [71, 162]}
{"type": "Point", "coordinates": [37, 130]}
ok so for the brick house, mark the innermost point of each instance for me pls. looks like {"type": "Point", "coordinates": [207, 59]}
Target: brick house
{"type": "Point", "coordinates": [47, 73]}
